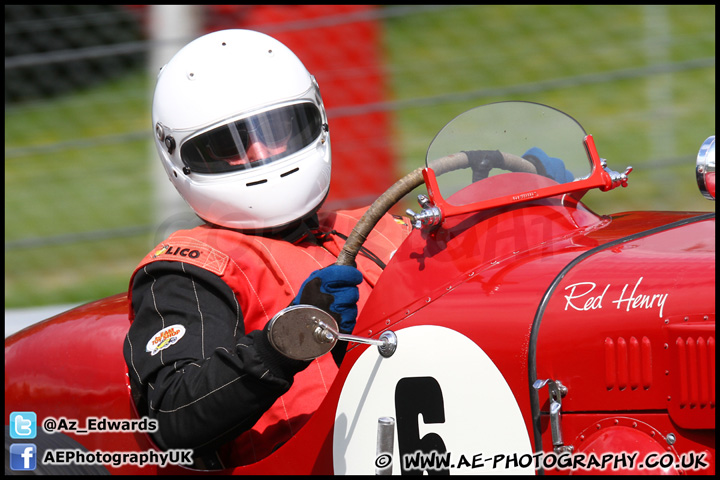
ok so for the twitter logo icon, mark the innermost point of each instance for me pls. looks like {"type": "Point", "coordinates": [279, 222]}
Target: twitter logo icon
{"type": "Point", "coordinates": [23, 425]}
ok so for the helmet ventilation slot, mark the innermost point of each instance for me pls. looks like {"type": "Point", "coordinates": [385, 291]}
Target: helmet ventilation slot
{"type": "Point", "coordinates": [289, 172]}
{"type": "Point", "coordinates": [259, 182]}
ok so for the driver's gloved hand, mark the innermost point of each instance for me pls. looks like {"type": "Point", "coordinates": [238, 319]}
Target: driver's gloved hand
{"type": "Point", "coordinates": [482, 161]}
{"type": "Point", "coordinates": [333, 289]}
{"type": "Point", "coordinates": [553, 167]}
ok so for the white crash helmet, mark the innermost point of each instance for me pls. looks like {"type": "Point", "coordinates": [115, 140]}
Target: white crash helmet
{"type": "Point", "coordinates": [242, 131]}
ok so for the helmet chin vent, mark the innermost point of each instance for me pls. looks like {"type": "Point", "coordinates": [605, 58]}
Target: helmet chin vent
{"type": "Point", "coordinates": [289, 172]}
{"type": "Point", "coordinates": [259, 182]}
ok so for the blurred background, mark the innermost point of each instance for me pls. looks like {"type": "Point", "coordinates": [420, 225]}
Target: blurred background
{"type": "Point", "coordinates": [85, 198]}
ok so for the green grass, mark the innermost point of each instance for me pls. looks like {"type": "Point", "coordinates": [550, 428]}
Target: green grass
{"type": "Point", "coordinates": [646, 122]}
{"type": "Point", "coordinates": [654, 123]}
{"type": "Point", "coordinates": [76, 190]}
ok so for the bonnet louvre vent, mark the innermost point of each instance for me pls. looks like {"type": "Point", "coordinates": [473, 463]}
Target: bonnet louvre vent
{"type": "Point", "coordinates": [691, 372]}
{"type": "Point", "coordinates": [695, 380]}
{"type": "Point", "coordinates": [628, 363]}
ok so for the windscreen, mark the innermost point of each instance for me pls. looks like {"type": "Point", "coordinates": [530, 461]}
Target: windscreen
{"type": "Point", "coordinates": [508, 137]}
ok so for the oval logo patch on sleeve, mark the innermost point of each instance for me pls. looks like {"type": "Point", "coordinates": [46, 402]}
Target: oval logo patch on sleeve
{"type": "Point", "coordinates": [165, 338]}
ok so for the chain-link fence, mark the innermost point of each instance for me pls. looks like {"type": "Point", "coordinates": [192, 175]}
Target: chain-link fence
{"type": "Point", "coordinates": [81, 176]}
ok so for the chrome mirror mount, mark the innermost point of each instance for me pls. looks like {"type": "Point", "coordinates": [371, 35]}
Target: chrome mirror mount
{"type": "Point", "coordinates": [705, 168]}
{"type": "Point", "coordinates": [304, 332]}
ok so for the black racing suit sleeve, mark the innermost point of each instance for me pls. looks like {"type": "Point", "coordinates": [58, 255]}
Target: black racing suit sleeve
{"type": "Point", "coordinates": [215, 381]}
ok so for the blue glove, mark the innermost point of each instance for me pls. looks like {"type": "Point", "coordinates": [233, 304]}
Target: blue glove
{"type": "Point", "coordinates": [333, 289]}
{"type": "Point", "coordinates": [554, 167]}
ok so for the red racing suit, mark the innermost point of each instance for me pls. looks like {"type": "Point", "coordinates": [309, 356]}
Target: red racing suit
{"type": "Point", "coordinates": [167, 349]}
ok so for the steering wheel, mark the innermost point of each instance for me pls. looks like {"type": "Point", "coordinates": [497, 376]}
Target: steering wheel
{"type": "Point", "coordinates": [482, 161]}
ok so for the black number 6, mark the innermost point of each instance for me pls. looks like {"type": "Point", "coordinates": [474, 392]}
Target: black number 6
{"type": "Point", "coordinates": [413, 396]}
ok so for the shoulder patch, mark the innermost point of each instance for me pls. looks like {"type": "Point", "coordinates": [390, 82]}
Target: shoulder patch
{"type": "Point", "coordinates": [165, 338]}
{"type": "Point", "coordinates": [190, 251]}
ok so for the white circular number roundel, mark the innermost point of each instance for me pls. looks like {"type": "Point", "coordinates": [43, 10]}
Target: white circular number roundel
{"type": "Point", "coordinates": [453, 411]}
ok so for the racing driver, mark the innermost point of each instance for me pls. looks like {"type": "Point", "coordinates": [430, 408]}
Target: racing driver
{"type": "Point", "coordinates": [242, 133]}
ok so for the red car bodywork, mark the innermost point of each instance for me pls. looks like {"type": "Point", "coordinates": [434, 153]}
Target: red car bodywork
{"type": "Point", "coordinates": [620, 309]}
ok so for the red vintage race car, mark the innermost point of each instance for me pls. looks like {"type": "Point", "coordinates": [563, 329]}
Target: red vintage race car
{"type": "Point", "coordinates": [514, 331]}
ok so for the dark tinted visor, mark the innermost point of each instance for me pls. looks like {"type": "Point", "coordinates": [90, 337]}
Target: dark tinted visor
{"type": "Point", "coordinates": [254, 141]}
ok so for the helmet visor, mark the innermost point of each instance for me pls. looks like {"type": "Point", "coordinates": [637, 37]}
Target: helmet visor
{"type": "Point", "coordinates": [253, 141]}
